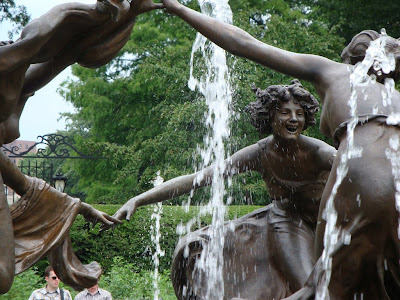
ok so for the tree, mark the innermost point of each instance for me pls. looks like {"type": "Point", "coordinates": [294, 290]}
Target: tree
{"type": "Point", "coordinates": [16, 14]}
{"type": "Point", "coordinates": [139, 111]}
{"type": "Point", "coordinates": [349, 17]}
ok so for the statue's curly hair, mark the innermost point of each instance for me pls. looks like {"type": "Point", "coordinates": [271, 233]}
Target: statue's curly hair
{"type": "Point", "coordinates": [355, 51]}
{"type": "Point", "coordinates": [262, 111]}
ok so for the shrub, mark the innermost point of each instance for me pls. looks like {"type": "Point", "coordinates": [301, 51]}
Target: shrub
{"type": "Point", "coordinates": [24, 284]}
{"type": "Point", "coordinates": [132, 240]}
{"type": "Point", "coordinates": [123, 283]}
{"type": "Point", "coordinates": [125, 253]}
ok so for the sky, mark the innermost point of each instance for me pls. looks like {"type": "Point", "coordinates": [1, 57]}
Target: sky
{"type": "Point", "coordinates": [42, 111]}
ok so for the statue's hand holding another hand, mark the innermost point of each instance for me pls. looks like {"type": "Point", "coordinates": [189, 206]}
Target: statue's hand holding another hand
{"type": "Point", "coordinates": [127, 210]}
{"type": "Point", "coordinates": [95, 216]}
{"type": "Point", "coordinates": [171, 5]}
{"type": "Point", "coordinates": [143, 6]}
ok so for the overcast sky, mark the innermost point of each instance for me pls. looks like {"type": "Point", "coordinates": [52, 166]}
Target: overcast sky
{"type": "Point", "coordinates": [42, 112]}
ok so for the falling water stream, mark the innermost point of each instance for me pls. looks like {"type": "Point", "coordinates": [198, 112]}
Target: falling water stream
{"type": "Point", "coordinates": [377, 58]}
{"type": "Point", "coordinates": [213, 83]}
{"type": "Point", "coordinates": [155, 237]}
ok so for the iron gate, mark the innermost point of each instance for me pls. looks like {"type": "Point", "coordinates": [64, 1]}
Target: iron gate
{"type": "Point", "coordinates": [41, 164]}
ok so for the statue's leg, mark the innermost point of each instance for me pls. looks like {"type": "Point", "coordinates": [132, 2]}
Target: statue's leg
{"type": "Point", "coordinates": [292, 242]}
{"type": "Point", "coordinates": [37, 33]}
{"type": "Point", "coordinates": [7, 260]}
{"type": "Point", "coordinates": [188, 280]}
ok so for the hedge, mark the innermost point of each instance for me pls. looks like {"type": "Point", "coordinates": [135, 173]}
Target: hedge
{"type": "Point", "coordinates": [132, 240]}
{"type": "Point", "coordinates": [125, 253]}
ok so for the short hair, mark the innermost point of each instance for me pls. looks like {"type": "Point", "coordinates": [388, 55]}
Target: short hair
{"type": "Point", "coordinates": [262, 111]}
{"type": "Point", "coordinates": [355, 51]}
{"type": "Point", "coordinates": [48, 271]}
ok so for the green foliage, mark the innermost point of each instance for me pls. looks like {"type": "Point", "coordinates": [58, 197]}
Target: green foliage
{"type": "Point", "coordinates": [24, 284]}
{"type": "Point", "coordinates": [349, 17]}
{"type": "Point", "coordinates": [125, 253]}
{"type": "Point", "coordinates": [122, 283]}
{"type": "Point", "coordinates": [139, 113]}
{"type": "Point", "coordinates": [16, 14]}
{"type": "Point", "coordinates": [132, 240]}
{"type": "Point", "coordinates": [287, 28]}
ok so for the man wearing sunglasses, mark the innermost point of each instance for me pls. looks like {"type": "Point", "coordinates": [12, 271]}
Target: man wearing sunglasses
{"type": "Point", "coordinates": [51, 291]}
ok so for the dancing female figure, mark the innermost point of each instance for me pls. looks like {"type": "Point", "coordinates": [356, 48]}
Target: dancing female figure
{"type": "Point", "coordinates": [281, 235]}
{"type": "Point", "coordinates": [365, 200]}
{"type": "Point", "coordinates": [38, 225]}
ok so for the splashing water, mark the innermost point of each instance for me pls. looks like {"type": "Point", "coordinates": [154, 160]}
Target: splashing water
{"type": "Point", "coordinates": [213, 83]}
{"type": "Point", "coordinates": [393, 155]}
{"type": "Point", "coordinates": [383, 63]}
{"type": "Point", "coordinates": [155, 237]}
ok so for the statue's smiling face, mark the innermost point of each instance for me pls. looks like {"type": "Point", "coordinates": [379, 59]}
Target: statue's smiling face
{"type": "Point", "coordinates": [289, 120]}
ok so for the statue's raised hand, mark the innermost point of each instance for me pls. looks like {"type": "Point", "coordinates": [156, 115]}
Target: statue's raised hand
{"type": "Point", "coordinates": [127, 210]}
{"type": "Point", "coordinates": [142, 6]}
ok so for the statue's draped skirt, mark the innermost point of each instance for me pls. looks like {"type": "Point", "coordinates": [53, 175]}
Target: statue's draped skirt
{"type": "Point", "coordinates": [267, 255]}
{"type": "Point", "coordinates": [41, 220]}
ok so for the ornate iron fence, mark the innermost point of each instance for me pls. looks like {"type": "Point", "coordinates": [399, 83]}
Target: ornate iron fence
{"type": "Point", "coordinates": [52, 146]}
{"type": "Point", "coordinates": [49, 146]}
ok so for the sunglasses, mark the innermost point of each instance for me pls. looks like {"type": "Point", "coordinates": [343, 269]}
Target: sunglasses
{"type": "Point", "coordinates": [54, 277]}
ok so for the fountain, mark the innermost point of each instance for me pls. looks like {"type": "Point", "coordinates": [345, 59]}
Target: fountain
{"type": "Point", "coordinates": [370, 192]}
{"type": "Point", "coordinates": [215, 87]}
{"type": "Point", "coordinates": [361, 259]}
{"type": "Point", "coordinates": [155, 237]}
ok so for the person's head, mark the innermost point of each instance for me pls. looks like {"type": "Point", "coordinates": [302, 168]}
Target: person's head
{"type": "Point", "coordinates": [51, 278]}
{"type": "Point", "coordinates": [265, 112]}
{"type": "Point", "coordinates": [355, 51]}
{"type": "Point", "coordinates": [93, 289]}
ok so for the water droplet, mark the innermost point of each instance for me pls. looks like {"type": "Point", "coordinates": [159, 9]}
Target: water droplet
{"type": "Point", "coordinates": [347, 239]}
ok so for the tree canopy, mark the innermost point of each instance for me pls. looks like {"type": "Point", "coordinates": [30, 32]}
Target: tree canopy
{"type": "Point", "coordinates": [16, 14]}
{"type": "Point", "coordinates": [140, 113]}
{"type": "Point", "coordinates": [349, 17]}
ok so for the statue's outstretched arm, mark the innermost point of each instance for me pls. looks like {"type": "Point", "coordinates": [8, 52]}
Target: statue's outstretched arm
{"type": "Point", "coordinates": [95, 216]}
{"type": "Point", "coordinates": [12, 175]}
{"type": "Point", "coordinates": [240, 43]}
{"type": "Point", "coordinates": [97, 40]}
{"type": "Point", "coordinates": [29, 47]}
{"type": "Point", "coordinates": [143, 6]}
{"type": "Point", "coordinates": [244, 160]}
{"type": "Point", "coordinates": [168, 190]}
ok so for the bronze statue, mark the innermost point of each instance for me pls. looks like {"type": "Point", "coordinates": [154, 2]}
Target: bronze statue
{"type": "Point", "coordinates": [38, 224]}
{"type": "Point", "coordinates": [281, 235]}
{"type": "Point", "coordinates": [369, 265]}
